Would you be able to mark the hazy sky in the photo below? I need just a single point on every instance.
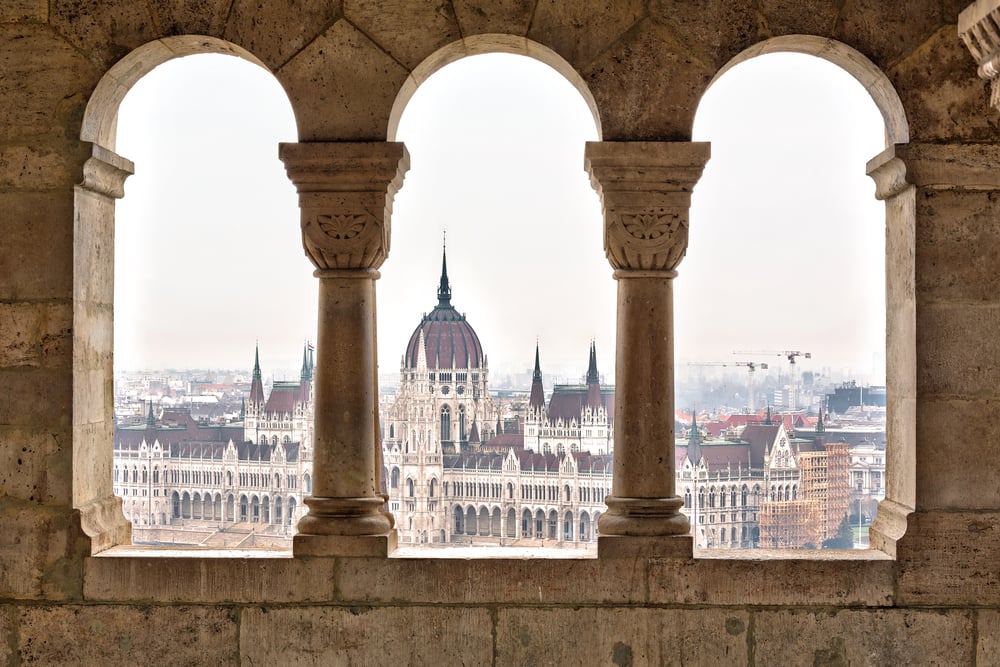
(786, 243)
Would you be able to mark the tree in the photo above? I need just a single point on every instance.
(844, 538)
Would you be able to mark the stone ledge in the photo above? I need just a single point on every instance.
(847, 579)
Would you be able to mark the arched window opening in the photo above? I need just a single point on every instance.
(763, 115)
(229, 196)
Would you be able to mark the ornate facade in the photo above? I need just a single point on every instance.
(453, 475)
(238, 484)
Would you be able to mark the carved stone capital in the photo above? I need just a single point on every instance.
(935, 167)
(104, 173)
(645, 190)
(345, 198)
(979, 28)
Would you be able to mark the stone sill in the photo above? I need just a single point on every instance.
(470, 577)
(499, 553)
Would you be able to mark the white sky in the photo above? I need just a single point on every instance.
(786, 246)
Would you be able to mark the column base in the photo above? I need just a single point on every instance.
(345, 516)
(647, 517)
(346, 546)
(679, 547)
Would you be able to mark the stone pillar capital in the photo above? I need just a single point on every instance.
(979, 28)
(935, 167)
(105, 172)
(345, 197)
(645, 190)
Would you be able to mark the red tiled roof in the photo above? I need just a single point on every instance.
(568, 401)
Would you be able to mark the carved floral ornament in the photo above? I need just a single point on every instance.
(343, 240)
(651, 239)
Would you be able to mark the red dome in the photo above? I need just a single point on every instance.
(449, 341)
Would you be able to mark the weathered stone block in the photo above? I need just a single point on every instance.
(488, 580)
(24, 10)
(716, 30)
(949, 558)
(476, 17)
(342, 86)
(364, 635)
(190, 17)
(108, 634)
(41, 552)
(578, 30)
(957, 245)
(958, 353)
(955, 454)
(45, 84)
(408, 31)
(35, 465)
(36, 334)
(41, 166)
(36, 397)
(205, 580)
(885, 32)
(944, 100)
(876, 637)
(647, 86)
(8, 638)
(257, 24)
(532, 636)
(848, 579)
(790, 17)
(106, 30)
(36, 257)
(988, 632)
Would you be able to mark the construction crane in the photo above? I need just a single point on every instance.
(751, 366)
(788, 354)
(791, 355)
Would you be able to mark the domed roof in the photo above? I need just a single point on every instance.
(449, 341)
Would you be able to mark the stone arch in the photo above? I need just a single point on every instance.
(487, 43)
(101, 184)
(852, 61)
(889, 174)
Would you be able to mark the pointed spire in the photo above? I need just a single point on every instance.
(593, 377)
(306, 373)
(767, 419)
(499, 426)
(256, 361)
(444, 288)
(537, 400)
(694, 441)
(150, 417)
(820, 426)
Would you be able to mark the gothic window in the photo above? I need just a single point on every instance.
(433, 488)
(744, 493)
(394, 478)
(461, 423)
(409, 488)
(732, 496)
(687, 498)
(445, 423)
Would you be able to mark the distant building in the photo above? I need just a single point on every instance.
(238, 484)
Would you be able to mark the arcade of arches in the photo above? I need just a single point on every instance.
(72, 591)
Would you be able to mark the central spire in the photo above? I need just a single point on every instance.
(444, 289)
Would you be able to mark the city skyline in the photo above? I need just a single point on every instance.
(535, 272)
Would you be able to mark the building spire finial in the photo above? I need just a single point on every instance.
(444, 288)
(256, 361)
(593, 377)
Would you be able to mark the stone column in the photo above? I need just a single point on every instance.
(345, 196)
(645, 190)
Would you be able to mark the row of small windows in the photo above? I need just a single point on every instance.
(213, 477)
(494, 491)
(252, 509)
(560, 447)
(717, 497)
(274, 439)
(535, 525)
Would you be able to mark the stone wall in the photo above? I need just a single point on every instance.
(930, 594)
